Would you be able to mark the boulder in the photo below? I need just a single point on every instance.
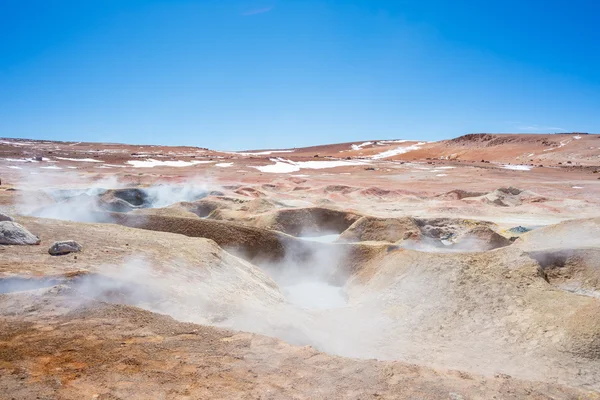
(64, 247)
(4, 217)
(13, 233)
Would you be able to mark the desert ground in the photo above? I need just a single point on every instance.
(385, 269)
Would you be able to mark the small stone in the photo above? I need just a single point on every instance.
(64, 247)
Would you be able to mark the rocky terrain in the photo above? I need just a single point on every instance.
(392, 269)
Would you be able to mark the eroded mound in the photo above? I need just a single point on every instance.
(438, 234)
(381, 229)
(312, 221)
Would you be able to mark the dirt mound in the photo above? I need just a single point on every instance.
(511, 197)
(381, 229)
(170, 273)
(446, 228)
(251, 243)
(571, 234)
(134, 196)
(343, 189)
(176, 210)
(498, 294)
(459, 194)
(311, 221)
(583, 332)
(204, 207)
(422, 232)
(480, 238)
(574, 270)
(116, 344)
(378, 192)
(249, 192)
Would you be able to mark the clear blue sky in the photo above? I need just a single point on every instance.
(236, 74)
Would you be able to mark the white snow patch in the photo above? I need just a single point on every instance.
(530, 155)
(79, 159)
(280, 167)
(576, 137)
(562, 144)
(151, 163)
(262, 153)
(283, 166)
(31, 160)
(360, 146)
(517, 167)
(16, 143)
(224, 165)
(397, 151)
(442, 175)
(13, 167)
(386, 142)
(51, 167)
(577, 187)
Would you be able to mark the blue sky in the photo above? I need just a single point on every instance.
(240, 74)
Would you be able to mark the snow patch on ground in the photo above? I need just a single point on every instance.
(17, 143)
(80, 159)
(577, 187)
(517, 167)
(31, 160)
(151, 163)
(386, 142)
(397, 151)
(224, 165)
(360, 146)
(51, 167)
(563, 143)
(283, 166)
(262, 153)
(13, 167)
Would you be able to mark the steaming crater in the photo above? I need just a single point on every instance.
(315, 295)
(80, 204)
(322, 239)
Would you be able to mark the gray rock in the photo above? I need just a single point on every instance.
(4, 217)
(13, 233)
(64, 247)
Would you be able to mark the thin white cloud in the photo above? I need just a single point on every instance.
(539, 128)
(258, 11)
